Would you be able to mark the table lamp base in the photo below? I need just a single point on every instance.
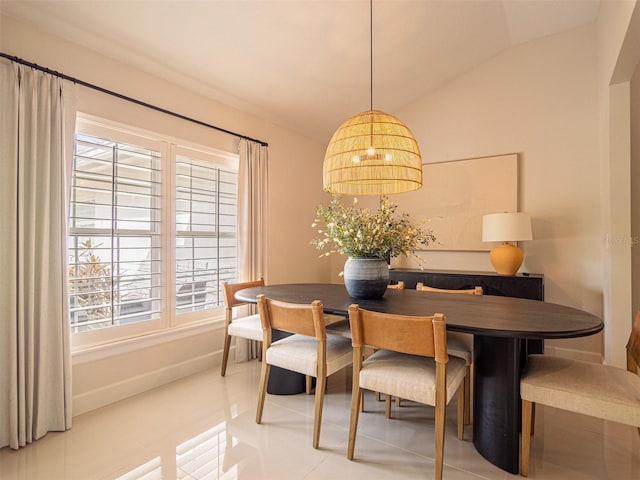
(506, 259)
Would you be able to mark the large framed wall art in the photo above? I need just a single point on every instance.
(456, 194)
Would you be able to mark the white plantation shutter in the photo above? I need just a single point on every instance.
(114, 234)
(206, 202)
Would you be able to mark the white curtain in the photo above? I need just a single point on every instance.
(252, 224)
(37, 116)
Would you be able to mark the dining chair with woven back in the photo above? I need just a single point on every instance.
(247, 326)
(410, 362)
(309, 350)
(458, 344)
(601, 391)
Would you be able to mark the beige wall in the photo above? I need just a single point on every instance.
(539, 100)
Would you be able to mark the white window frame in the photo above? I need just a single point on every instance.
(168, 147)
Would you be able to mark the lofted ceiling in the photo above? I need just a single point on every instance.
(304, 64)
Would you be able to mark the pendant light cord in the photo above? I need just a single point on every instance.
(371, 54)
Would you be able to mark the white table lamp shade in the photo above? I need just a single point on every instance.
(506, 227)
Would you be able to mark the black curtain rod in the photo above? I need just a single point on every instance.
(128, 99)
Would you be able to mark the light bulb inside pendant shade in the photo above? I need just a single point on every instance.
(373, 153)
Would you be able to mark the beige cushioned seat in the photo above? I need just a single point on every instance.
(246, 327)
(411, 377)
(299, 353)
(457, 346)
(592, 389)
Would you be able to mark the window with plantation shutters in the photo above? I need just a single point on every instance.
(152, 233)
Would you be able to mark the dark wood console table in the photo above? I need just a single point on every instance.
(529, 286)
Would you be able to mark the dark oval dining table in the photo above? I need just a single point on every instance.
(500, 327)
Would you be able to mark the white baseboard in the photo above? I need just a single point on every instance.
(573, 354)
(107, 394)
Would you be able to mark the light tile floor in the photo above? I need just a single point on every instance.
(203, 427)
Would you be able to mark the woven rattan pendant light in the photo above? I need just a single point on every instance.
(373, 153)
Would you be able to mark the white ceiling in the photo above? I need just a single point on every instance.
(304, 64)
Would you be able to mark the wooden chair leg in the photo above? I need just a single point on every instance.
(321, 384)
(308, 383)
(439, 427)
(262, 392)
(527, 408)
(467, 397)
(461, 410)
(378, 396)
(387, 406)
(441, 414)
(533, 419)
(356, 401)
(225, 355)
(398, 401)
